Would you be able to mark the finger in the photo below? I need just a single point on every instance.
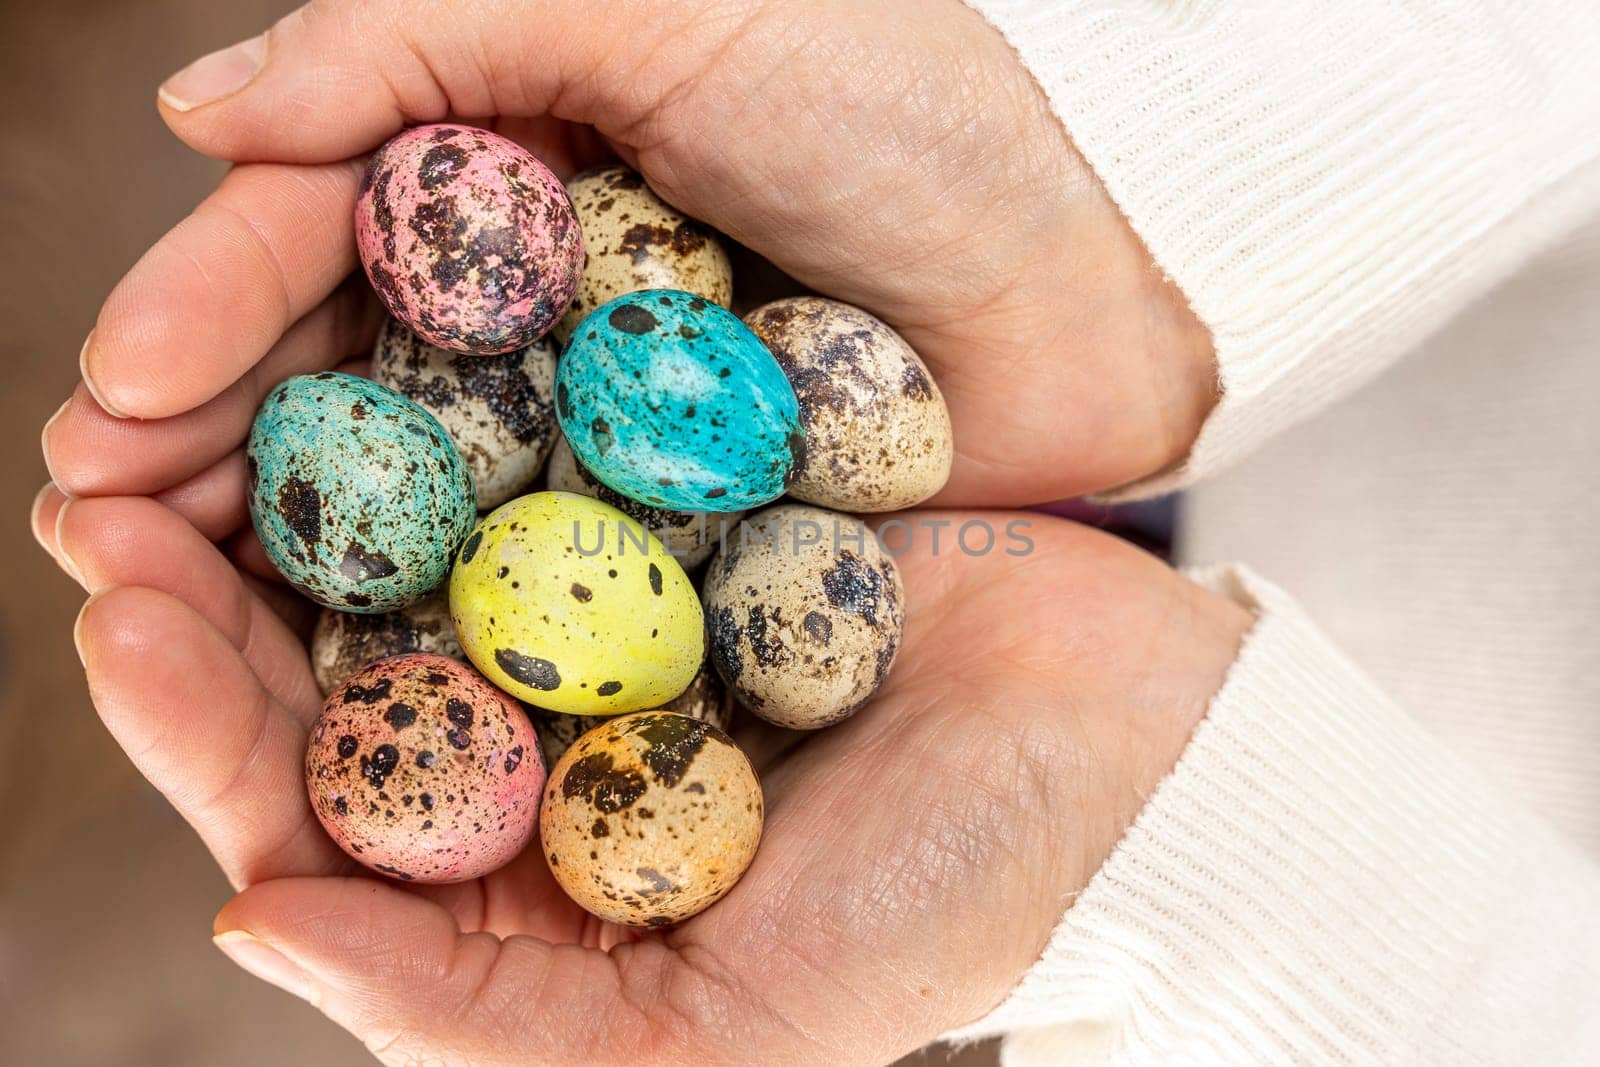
(297, 613)
(245, 549)
(182, 702)
(91, 453)
(209, 503)
(214, 501)
(217, 502)
(134, 541)
(214, 295)
(335, 80)
(395, 970)
(48, 497)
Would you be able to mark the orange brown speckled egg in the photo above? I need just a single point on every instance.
(343, 642)
(651, 818)
(878, 434)
(805, 613)
(421, 769)
(635, 240)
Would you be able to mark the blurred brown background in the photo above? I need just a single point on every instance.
(106, 897)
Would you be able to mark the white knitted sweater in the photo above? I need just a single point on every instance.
(1332, 875)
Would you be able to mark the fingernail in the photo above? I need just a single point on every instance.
(267, 963)
(77, 627)
(88, 379)
(62, 556)
(215, 76)
(44, 435)
(33, 517)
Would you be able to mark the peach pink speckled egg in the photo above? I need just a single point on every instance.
(421, 769)
(467, 238)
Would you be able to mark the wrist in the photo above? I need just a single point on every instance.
(1148, 654)
(1170, 679)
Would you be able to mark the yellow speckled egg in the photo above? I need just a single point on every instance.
(569, 604)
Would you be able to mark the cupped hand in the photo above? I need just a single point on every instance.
(896, 156)
(916, 857)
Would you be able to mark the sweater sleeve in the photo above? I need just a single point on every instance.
(1317, 882)
(1327, 181)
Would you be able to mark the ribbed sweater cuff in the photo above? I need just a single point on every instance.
(1317, 881)
(1327, 181)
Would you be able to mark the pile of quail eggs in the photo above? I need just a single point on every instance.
(581, 517)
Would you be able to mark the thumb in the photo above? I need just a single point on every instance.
(395, 970)
(336, 77)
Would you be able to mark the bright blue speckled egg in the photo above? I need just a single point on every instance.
(671, 400)
(357, 494)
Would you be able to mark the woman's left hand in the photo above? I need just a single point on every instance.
(916, 856)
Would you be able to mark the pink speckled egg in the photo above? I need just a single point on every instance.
(421, 769)
(468, 239)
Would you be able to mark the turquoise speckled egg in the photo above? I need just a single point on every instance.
(357, 494)
(671, 400)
